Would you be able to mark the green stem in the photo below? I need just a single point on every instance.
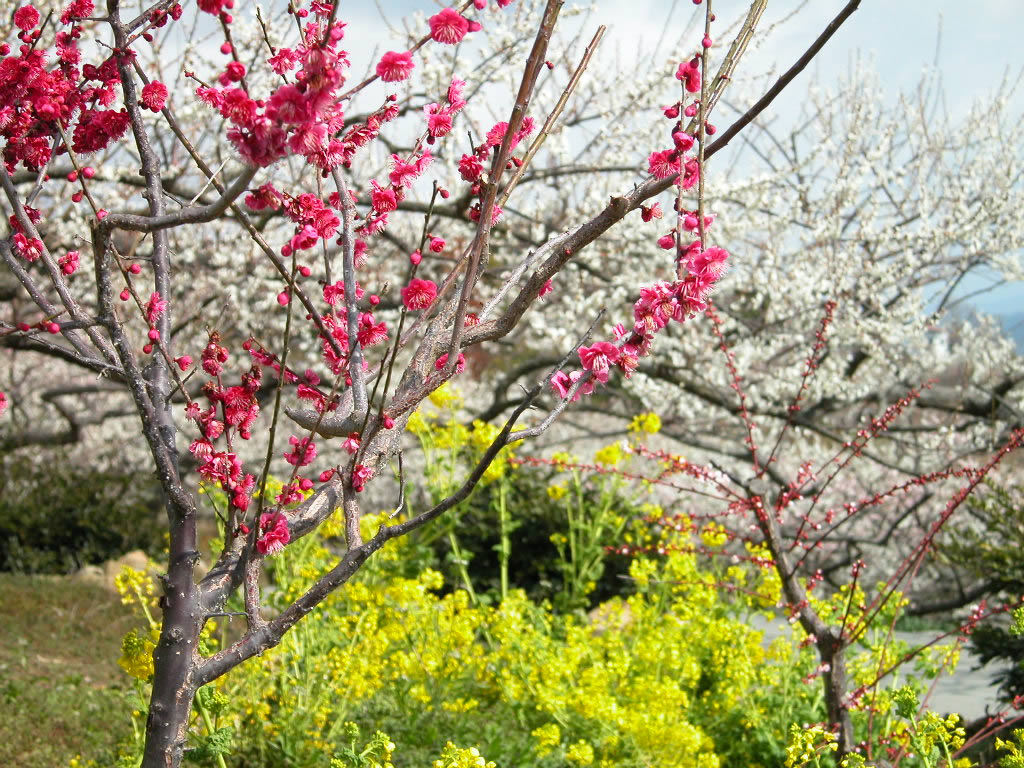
(506, 545)
(460, 563)
(209, 729)
(145, 608)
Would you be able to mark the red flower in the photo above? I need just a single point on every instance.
(235, 71)
(303, 451)
(454, 95)
(69, 262)
(154, 308)
(383, 200)
(404, 173)
(562, 383)
(439, 120)
(360, 475)
(460, 364)
(448, 26)
(471, 168)
(77, 9)
(419, 294)
(211, 6)
(661, 165)
(371, 333)
(393, 66)
(26, 18)
(689, 74)
(29, 248)
(154, 96)
(710, 262)
(274, 533)
(654, 212)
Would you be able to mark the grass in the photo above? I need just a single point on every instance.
(60, 687)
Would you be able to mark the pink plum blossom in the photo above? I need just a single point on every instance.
(394, 66)
(449, 26)
(274, 533)
(419, 294)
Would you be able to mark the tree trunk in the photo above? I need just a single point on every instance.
(831, 651)
(174, 661)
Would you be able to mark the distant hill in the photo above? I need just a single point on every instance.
(1013, 324)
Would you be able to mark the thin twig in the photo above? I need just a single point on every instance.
(553, 116)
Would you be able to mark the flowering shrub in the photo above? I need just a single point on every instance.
(987, 544)
(669, 673)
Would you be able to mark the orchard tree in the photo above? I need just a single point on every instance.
(889, 209)
(78, 95)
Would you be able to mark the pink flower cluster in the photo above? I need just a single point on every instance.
(303, 451)
(471, 167)
(214, 355)
(449, 26)
(29, 248)
(231, 411)
(440, 116)
(698, 267)
(403, 173)
(68, 263)
(315, 220)
(274, 533)
(36, 99)
(689, 74)
(154, 96)
(369, 332)
(419, 294)
(658, 305)
(301, 116)
(394, 66)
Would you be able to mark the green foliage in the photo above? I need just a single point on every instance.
(990, 546)
(990, 541)
(928, 740)
(57, 521)
(668, 672)
(376, 753)
(211, 746)
(550, 525)
(1017, 627)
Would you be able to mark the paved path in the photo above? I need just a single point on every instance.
(967, 691)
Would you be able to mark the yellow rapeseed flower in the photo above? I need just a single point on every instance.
(445, 396)
(417, 424)
(548, 737)
(610, 455)
(649, 423)
(580, 753)
(136, 655)
(556, 492)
